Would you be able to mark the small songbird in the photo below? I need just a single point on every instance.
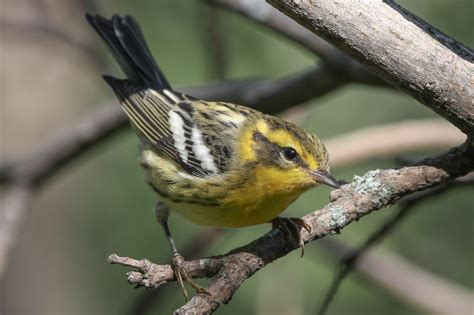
(215, 163)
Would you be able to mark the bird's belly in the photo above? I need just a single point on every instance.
(236, 211)
(258, 201)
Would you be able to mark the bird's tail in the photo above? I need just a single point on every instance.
(125, 40)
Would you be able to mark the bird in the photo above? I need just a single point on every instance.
(215, 163)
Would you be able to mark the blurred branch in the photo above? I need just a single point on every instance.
(392, 139)
(349, 258)
(42, 28)
(47, 158)
(16, 201)
(400, 47)
(274, 96)
(263, 14)
(374, 190)
(214, 38)
(423, 289)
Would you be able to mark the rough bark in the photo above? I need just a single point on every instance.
(400, 47)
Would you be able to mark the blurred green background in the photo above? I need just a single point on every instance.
(100, 205)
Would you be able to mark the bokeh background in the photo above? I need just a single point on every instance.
(100, 205)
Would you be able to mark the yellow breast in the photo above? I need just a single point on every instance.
(256, 202)
(244, 196)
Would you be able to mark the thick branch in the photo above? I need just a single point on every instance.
(398, 46)
(374, 190)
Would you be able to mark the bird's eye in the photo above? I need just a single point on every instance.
(289, 153)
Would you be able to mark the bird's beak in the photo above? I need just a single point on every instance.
(324, 177)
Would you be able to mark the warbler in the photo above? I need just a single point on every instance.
(215, 163)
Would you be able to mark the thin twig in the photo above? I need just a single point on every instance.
(215, 40)
(145, 301)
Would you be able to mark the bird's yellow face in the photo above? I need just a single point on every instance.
(287, 159)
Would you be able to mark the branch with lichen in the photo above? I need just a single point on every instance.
(358, 145)
(367, 193)
(350, 257)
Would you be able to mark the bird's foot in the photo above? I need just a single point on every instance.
(291, 228)
(182, 276)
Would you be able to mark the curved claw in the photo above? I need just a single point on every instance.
(182, 275)
(291, 228)
(300, 222)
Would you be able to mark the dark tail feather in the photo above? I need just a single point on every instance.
(125, 40)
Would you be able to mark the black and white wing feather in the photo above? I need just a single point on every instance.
(164, 119)
(167, 120)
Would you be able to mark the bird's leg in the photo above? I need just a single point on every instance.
(177, 261)
(291, 228)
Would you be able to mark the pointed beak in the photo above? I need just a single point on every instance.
(324, 177)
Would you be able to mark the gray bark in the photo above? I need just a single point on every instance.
(400, 47)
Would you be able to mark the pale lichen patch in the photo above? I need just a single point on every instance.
(336, 220)
(204, 263)
(368, 184)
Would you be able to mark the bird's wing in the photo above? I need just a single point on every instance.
(200, 136)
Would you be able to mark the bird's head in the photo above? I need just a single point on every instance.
(287, 156)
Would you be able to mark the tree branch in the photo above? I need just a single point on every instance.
(214, 37)
(400, 47)
(350, 257)
(15, 204)
(427, 291)
(203, 240)
(392, 139)
(374, 190)
(42, 28)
